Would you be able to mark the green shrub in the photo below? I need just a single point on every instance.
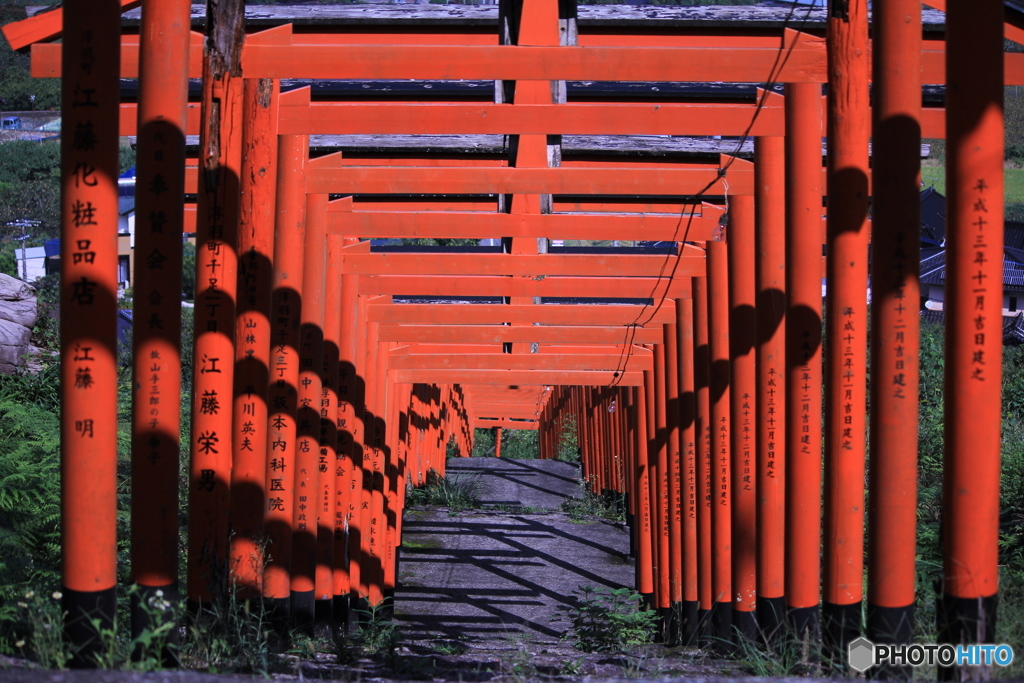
(604, 620)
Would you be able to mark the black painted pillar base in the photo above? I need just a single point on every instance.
(840, 625)
(81, 609)
(704, 633)
(303, 611)
(340, 616)
(721, 627)
(323, 619)
(664, 616)
(771, 617)
(965, 620)
(803, 633)
(891, 625)
(278, 611)
(152, 607)
(673, 624)
(688, 623)
(744, 626)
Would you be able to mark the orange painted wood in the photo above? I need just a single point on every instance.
(973, 336)
(156, 414)
(803, 349)
(216, 282)
(805, 62)
(621, 180)
(252, 333)
(531, 265)
(468, 285)
(479, 224)
(327, 118)
(506, 334)
(88, 293)
(46, 59)
(499, 361)
(547, 314)
(286, 311)
(846, 327)
(531, 377)
(485, 423)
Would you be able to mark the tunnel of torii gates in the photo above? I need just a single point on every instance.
(329, 376)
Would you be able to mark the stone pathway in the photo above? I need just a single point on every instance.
(485, 575)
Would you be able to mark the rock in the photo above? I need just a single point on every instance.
(17, 301)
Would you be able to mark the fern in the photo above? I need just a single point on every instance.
(29, 496)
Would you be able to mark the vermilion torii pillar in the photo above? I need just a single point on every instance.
(770, 267)
(846, 325)
(688, 480)
(331, 567)
(675, 481)
(286, 311)
(89, 167)
(310, 467)
(214, 317)
(156, 413)
(252, 334)
(720, 452)
(743, 397)
(974, 258)
(803, 359)
(895, 297)
(702, 468)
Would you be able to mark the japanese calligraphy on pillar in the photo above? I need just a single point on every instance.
(747, 449)
(772, 422)
(980, 286)
(88, 296)
(849, 373)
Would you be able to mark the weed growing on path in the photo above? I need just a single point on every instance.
(457, 492)
(606, 620)
(228, 635)
(589, 505)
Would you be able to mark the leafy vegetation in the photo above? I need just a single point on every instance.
(590, 505)
(517, 444)
(605, 620)
(457, 493)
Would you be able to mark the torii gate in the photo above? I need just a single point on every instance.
(269, 238)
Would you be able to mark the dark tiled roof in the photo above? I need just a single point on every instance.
(1014, 234)
(1013, 329)
(933, 267)
(1013, 268)
(934, 317)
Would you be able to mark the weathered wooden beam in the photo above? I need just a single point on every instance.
(520, 377)
(530, 265)
(441, 180)
(506, 334)
(682, 227)
(482, 285)
(521, 361)
(545, 314)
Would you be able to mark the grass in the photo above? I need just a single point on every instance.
(457, 493)
(935, 176)
(589, 505)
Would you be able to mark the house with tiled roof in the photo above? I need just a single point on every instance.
(933, 266)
